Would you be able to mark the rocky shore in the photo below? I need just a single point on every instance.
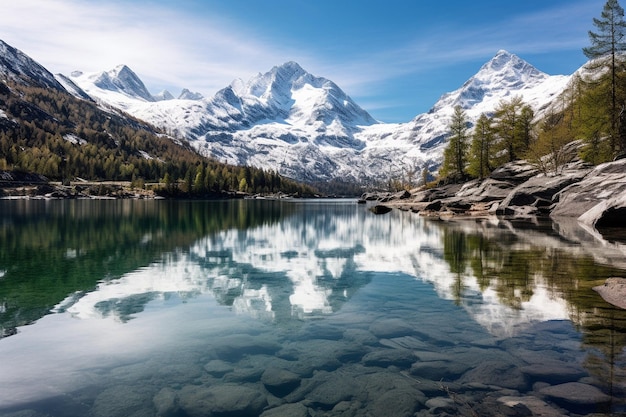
(595, 196)
(14, 185)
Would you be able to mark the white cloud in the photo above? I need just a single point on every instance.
(164, 46)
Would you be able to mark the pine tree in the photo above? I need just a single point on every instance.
(609, 42)
(455, 154)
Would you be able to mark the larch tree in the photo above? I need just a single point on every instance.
(606, 46)
(455, 154)
(481, 148)
(513, 128)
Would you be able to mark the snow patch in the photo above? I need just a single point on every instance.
(74, 139)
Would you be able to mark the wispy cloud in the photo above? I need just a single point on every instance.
(161, 44)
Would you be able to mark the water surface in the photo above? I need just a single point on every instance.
(158, 308)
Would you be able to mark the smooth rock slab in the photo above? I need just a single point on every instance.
(577, 397)
(221, 400)
(218, 368)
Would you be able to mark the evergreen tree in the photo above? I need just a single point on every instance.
(455, 154)
(549, 151)
(593, 121)
(481, 147)
(609, 42)
(513, 128)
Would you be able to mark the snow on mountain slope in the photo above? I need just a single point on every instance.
(307, 128)
(17, 66)
(71, 87)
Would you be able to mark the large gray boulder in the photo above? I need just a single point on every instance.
(608, 213)
(605, 184)
(538, 192)
(515, 172)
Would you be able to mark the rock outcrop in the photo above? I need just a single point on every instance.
(599, 199)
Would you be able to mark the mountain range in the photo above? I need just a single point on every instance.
(302, 126)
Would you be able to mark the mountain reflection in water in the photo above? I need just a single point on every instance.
(285, 264)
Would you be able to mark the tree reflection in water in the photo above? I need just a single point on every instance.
(515, 261)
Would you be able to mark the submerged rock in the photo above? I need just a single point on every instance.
(233, 347)
(280, 382)
(218, 368)
(439, 370)
(496, 373)
(553, 372)
(221, 400)
(401, 358)
(122, 400)
(325, 390)
(380, 209)
(577, 397)
(166, 403)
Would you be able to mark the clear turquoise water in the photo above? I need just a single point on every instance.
(157, 308)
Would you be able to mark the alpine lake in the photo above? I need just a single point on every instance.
(133, 308)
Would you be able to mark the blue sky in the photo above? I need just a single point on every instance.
(395, 58)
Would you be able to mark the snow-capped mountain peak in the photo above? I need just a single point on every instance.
(163, 95)
(121, 81)
(189, 95)
(273, 84)
(507, 70)
(501, 78)
(289, 94)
